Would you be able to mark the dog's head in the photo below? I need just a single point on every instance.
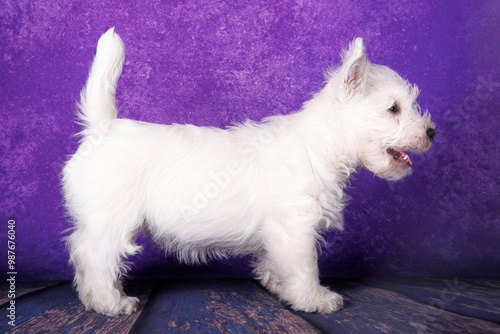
(379, 109)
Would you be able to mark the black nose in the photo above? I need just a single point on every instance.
(431, 133)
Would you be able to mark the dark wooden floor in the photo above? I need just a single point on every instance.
(402, 305)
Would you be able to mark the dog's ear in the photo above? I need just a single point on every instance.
(354, 66)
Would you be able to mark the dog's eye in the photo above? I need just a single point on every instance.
(394, 109)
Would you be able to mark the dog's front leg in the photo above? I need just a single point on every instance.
(288, 267)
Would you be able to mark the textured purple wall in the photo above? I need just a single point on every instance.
(213, 62)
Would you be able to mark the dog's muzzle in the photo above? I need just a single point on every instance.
(431, 133)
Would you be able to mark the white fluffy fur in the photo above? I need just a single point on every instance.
(266, 189)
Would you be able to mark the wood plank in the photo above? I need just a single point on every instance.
(371, 309)
(243, 306)
(453, 295)
(58, 310)
(217, 306)
(493, 283)
(23, 288)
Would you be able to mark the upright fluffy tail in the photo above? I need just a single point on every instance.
(97, 103)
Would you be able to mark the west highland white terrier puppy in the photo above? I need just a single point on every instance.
(268, 189)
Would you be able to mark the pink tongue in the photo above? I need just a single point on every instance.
(405, 157)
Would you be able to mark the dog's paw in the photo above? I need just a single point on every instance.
(128, 305)
(321, 301)
(330, 302)
(125, 305)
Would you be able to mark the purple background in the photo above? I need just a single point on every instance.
(215, 62)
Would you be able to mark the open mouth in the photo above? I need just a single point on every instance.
(399, 156)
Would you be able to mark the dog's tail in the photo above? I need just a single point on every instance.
(97, 102)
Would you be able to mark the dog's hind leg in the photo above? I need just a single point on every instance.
(97, 250)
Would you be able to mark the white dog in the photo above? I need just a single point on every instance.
(268, 189)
